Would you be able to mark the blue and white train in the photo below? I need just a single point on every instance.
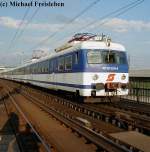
(88, 65)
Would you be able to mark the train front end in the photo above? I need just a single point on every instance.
(106, 69)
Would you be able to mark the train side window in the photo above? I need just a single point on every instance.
(43, 69)
(32, 69)
(51, 66)
(68, 62)
(61, 64)
(28, 70)
(76, 57)
(36, 68)
(46, 65)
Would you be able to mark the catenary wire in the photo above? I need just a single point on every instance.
(26, 25)
(70, 21)
(116, 13)
(18, 29)
(124, 10)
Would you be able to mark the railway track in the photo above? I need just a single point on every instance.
(8, 138)
(121, 118)
(100, 139)
(136, 107)
(27, 140)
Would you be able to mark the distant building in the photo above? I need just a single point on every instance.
(37, 54)
(3, 68)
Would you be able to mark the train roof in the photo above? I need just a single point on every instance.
(90, 41)
(99, 45)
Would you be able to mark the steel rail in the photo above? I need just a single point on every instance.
(96, 138)
(137, 120)
(46, 146)
(108, 115)
(61, 100)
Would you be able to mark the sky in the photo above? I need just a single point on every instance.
(131, 28)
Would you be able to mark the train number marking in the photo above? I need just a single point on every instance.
(110, 77)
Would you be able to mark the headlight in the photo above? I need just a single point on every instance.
(95, 77)
(123, 77)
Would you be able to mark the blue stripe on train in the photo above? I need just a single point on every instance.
(94, 68)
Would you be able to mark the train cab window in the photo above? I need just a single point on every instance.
(68, 62)
(76, 57)
(61, 64)
(114, 57)
(94, 57)
(121, 58)
(110, 58)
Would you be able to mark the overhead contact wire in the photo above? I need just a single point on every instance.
(121, 11)
(71, 21)
(18, 29)
(28, 22)
(116, 13)
(26, 25)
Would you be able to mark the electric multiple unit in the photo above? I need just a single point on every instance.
(88, 65)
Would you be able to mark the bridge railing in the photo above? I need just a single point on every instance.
(139, 89)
